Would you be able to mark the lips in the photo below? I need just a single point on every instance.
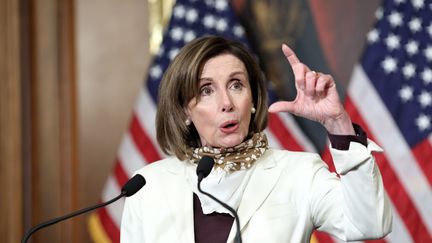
(229, 126)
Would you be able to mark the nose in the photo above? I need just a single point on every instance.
(226, 102)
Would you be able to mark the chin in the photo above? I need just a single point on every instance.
(232, 141)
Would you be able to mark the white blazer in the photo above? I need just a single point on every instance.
(288, 195)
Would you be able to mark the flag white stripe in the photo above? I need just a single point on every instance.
(389, 137)
(145, 111)
(272, 140)
(129, 156)
(295, 131)
(114, 210)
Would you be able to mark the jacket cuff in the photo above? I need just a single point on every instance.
(342, 142)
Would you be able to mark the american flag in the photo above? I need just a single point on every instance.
(190, 19)
(390, 96)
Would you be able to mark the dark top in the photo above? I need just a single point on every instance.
(210, 228)
(215, 227)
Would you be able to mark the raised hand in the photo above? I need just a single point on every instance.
(317, 98)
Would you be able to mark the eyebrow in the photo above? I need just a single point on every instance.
(231, 75)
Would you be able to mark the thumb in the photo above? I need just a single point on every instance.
(282, 106)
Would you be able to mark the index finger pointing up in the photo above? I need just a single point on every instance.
(290, 55)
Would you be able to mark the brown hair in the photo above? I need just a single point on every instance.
(180, 84)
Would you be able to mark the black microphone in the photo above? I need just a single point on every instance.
(204, 167)
(131, 187)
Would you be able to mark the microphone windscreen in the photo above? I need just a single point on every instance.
(133, 185)
(205, 165)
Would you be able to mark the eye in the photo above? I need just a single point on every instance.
(236, 85)
(206, 90)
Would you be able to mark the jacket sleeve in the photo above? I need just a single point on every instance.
(353, 206)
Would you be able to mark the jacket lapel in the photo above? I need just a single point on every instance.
(180, 203)
(260, 185)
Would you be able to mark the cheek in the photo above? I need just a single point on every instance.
(247, 120)
(203, 118)
(246, 114)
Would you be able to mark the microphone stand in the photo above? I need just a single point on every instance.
(73, 214)
(129, 188)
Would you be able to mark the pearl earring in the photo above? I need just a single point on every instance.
(188, 122)
(253, 110)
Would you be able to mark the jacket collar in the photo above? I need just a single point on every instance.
(260, 185)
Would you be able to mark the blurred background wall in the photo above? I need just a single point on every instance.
(72, 69)
(70, 73)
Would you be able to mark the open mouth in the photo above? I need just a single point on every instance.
(229, 126)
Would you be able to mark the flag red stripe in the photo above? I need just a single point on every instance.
(323, 237)
(396, 191)
(143, 142)
(326, 156)
(402, 201)
(423, 154)
(280, 132)
(110, 227)
(120, 174)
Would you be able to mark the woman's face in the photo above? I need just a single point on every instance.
(223, 112)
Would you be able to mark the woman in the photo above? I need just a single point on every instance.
(212, 101)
